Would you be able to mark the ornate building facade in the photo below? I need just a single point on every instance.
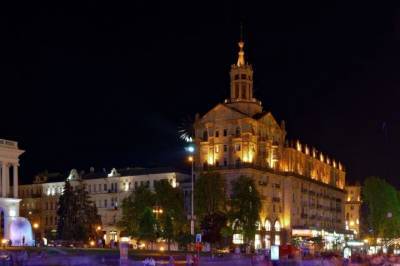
(302, 189)
(106, 190)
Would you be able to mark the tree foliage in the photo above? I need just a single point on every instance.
(78, 217)
(147, 229)
(169, 224)
(132, 210)
(211, 227)
(210, 194)
(245, 205)
(383, 207)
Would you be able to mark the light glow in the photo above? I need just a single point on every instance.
(12, 213)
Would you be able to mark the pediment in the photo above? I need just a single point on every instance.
(269, 120)
(222, 112)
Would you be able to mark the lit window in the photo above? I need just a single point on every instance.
(277, 226)
(237, 239)
(237, 147)
(217, 149)
(277, 240)
(267, 225)
(267, 240)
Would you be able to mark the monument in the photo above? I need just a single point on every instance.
(12, 227)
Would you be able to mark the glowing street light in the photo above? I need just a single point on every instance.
(35, 225)
(191, 150)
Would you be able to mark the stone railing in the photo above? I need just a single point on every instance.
(8, 143)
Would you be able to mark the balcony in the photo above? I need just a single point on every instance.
(8, 144)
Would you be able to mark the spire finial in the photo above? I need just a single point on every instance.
(241, 61)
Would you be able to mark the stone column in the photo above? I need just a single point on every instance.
(4, 178)
(15, 182)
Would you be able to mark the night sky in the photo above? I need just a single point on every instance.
(107, 84)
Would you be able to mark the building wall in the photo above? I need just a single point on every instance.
(300, 186)
(353, 208)
(39, 200)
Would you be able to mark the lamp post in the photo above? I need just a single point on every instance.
(191, 159)
(35, 228)
(157, 210)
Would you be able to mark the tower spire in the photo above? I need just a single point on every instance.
(241, 61)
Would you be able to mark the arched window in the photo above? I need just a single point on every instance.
(236, 225)
(277, 226)
(267, 225)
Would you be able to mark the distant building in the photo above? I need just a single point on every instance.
(302, 189)
(353, 208)
(106, 189)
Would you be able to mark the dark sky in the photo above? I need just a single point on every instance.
(107, 84)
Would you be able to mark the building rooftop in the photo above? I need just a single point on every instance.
(46, 177)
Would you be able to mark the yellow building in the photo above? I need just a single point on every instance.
(302, 189)
(353, 208)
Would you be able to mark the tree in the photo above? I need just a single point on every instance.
(210, 194)
(133, 208)
(147, 229)
(66, 212)
(87, 215)
(78, 217)
(167, 228)
(211, 227)
(383, 207)
(245, 205)
(210, 205)
(172, 220)
(170, 223)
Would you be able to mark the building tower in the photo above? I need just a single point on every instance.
(241, 75)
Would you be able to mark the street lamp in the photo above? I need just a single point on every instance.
(157, 210)
(35, 228)
(190, 149)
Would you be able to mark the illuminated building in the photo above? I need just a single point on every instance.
(301, 188)
(106, 189)
(353, 208)
(11, 225)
